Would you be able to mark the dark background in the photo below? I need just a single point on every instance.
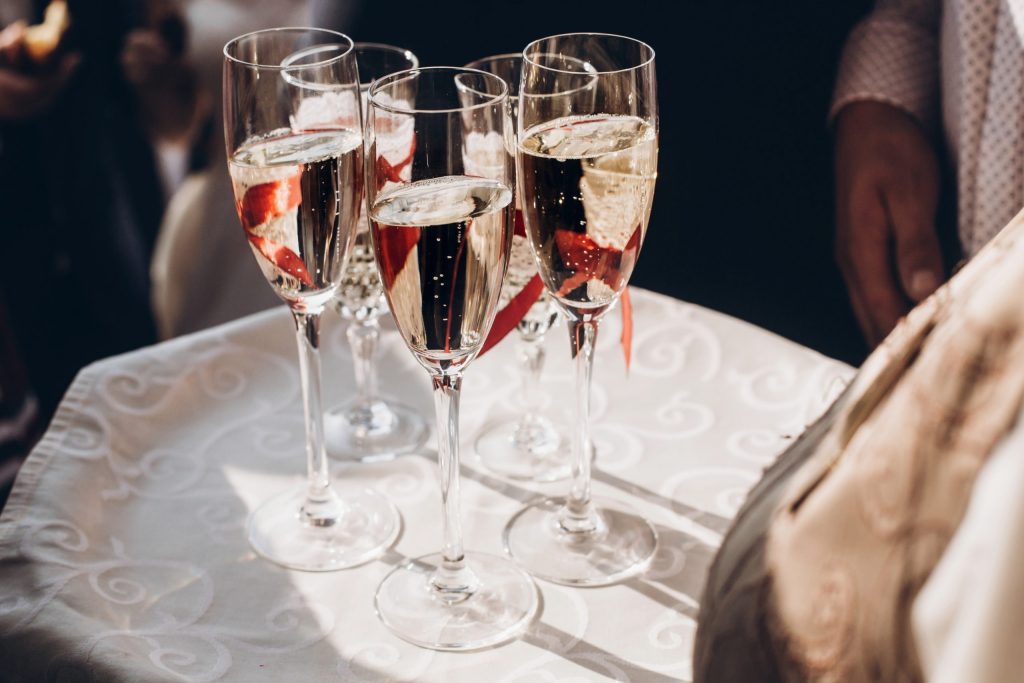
(742, 219)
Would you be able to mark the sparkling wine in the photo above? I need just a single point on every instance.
(361, 294)
(588, 184)
(442, 248)
(522, 266)
(297, 195)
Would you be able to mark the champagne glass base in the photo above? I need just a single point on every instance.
(347, 530)
(500, 608)
(380, 431)
(544, 456)
(621, 547)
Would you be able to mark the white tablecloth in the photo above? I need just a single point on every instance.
(122, 553)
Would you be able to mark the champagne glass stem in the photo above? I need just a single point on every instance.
(363, 337)
(578, 515)
(453, 580)
(307, 334)
(531, 353)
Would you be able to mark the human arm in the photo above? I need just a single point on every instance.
(886, 166)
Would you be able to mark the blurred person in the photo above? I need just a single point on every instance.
(202, 272)
(921, 79)
(82, 198)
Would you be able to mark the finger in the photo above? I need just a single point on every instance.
(869, 268)
(841, 249)
(12, 41)
(911, 211)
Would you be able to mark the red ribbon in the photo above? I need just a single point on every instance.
(627, 326)
(514, 311)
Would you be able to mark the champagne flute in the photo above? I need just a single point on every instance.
(441, 234)
(368, 427)
(297, 173)
(529, 448)
(587, 160)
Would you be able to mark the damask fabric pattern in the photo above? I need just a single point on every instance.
(847, 538)
(122, 555)
(909, 53)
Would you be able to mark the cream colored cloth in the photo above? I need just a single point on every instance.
(203, 271)
(969, 617)
(968, 54)
(123, 556)
(866, 519)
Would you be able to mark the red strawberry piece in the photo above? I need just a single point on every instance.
(590, 261)
(269, 200)
(520, 224)
(395, 243)
(282, 257)
(392, 173)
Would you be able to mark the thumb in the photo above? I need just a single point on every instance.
(919, 260)
(918, 254)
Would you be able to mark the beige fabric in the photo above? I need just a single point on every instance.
(969, 616)
(203, 272)
(908, 52)
(865, 521)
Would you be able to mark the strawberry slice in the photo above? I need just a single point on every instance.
(602, 263)
(395, 242)
(282, 257)
(592, 261)
(520, 224)
(388, 172)
(267, 201)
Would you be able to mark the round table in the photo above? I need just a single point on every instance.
(123, 557)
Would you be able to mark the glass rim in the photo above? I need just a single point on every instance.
(378, 83)
(344, 41)
(386, 47)
(504, 56)
(492, 58)
(597, 72)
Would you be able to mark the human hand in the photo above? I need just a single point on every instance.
(887, 190)
(24, 94)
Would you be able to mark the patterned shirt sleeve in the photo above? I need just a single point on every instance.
(892, 56)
